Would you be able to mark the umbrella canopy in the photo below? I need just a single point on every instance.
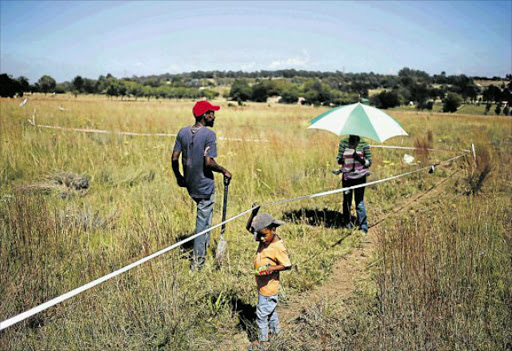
(359, 119)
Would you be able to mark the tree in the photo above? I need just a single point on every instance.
(497, 110)
(436, 93)
(78, 84)
(89, 86)
(289, 96)
(386, 99)
(240, 90)
(452, 102)
(470, 91)
(23, 83)
(409, 76)
(316, 93)
(113, 89)
(492, 93)
(46, 84)
(420, 94)
(487, 107)
(506, 95)
(259, 93)
(8, 86)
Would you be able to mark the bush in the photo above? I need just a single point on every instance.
(290, 96)
(240, 90)
(386, 99)
(497, 110)
(452, 102)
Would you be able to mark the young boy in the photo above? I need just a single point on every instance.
(271, 258)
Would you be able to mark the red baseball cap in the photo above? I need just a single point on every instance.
(203, 106)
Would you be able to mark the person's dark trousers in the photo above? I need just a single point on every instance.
(203, 222)
(362, 220)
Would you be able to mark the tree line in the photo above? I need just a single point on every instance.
(107, 85)
(312, 87)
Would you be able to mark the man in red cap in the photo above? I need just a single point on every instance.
(198, 147)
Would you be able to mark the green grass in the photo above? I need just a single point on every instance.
(50, 243)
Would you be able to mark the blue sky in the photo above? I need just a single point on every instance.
(91, 38)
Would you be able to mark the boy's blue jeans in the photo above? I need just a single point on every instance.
(266, 316)
(358, 194)
(203, 221)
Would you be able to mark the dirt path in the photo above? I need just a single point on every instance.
(353, 267)
(346, 274)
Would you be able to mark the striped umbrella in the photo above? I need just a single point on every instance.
(359, 119)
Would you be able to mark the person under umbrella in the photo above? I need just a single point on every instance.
(355, 158)
(357, 120)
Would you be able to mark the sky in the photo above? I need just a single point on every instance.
(91, 38)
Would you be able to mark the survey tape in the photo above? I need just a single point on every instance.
(22, 316)
(412, 148)
(102, 131)
(329, 192)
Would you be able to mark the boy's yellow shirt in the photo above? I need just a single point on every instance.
(274, 254)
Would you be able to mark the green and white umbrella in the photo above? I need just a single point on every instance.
(359, 119)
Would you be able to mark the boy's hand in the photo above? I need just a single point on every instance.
(262, 270)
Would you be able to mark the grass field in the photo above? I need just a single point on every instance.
(441, 277)
(464, 109)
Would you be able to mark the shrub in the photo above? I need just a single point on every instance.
(452, 102)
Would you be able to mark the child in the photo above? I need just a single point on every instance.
(271, 258)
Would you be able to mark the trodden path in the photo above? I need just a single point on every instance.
(351, 269)
(347, 273)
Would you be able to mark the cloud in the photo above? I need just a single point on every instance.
(297, 61)
(173, 68)
(248, 66)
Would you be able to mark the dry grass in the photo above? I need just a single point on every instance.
(52, 244)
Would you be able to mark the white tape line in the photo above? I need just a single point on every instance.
(18, 318)
(329, 192)
(101, 131)
(410, 148)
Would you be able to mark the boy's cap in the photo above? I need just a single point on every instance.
(203, 106)
(264, 220)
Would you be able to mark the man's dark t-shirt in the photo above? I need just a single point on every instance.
(195, 143)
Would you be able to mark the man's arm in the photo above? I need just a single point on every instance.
(214, 166)
(176, 168)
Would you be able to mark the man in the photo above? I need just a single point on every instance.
(198, 146)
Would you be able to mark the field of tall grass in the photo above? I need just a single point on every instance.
(441, 277)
